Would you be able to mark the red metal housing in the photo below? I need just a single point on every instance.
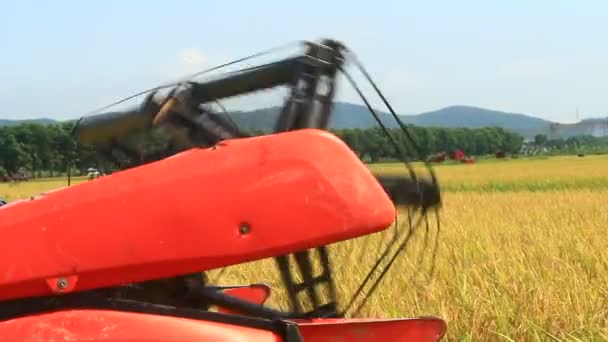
(243, 200)
(114, 326)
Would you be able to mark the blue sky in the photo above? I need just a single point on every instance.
(61, 59)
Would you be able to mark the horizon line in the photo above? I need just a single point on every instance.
(349, 103)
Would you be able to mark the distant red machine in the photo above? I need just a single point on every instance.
(458, 155)
(468, 160)
(439, 158)
(124, 257)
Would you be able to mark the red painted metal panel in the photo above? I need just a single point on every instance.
(424, 329)
(113, 326)
(184, 214)
(255, 293)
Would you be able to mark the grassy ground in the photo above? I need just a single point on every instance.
(21, 190)
(522, 253)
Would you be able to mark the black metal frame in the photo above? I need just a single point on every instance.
(305, 108)
(312, 81)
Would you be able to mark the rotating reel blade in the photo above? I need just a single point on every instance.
(187, 119)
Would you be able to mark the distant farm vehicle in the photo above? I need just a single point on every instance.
(14, 178)
(458, 155)
(439, 158)
(93, 173)
(468, 160)
(19, 176)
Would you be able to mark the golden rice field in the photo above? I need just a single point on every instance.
(523, 253)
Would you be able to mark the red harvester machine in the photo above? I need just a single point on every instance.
(108, 260)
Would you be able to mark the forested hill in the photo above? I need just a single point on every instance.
(51, 147)
(347, 115)
(473, 117)
(48, 148)
(5, 122)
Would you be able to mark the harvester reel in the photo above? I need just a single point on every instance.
(185, 115)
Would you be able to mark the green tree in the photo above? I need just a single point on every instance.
(540, 140)
(12, 153)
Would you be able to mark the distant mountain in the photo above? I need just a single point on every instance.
(344, 115)
(348, 115)
(5, 122)
(474, 117)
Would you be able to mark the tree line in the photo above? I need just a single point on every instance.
(374, 145)
(50, 149)
(581, 144)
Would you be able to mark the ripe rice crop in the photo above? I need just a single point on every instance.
(522, 253)
(526, 174)
(516, 266)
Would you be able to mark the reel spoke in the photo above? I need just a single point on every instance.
(406, 239)
(436, 244)
(186, 117)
